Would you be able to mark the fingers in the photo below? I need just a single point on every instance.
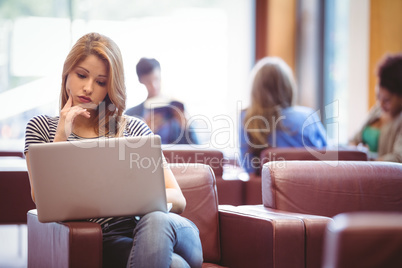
(84, 112)
(69, 111)
(74, 111)
(67, 117)
(66, 121)
(69, 101)
(66, 108)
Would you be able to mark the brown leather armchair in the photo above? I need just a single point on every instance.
(364, 239)
(229, 238)
(253, 186)
(230, 188)
(316, 191)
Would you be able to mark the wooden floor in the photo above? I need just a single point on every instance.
(13, 246)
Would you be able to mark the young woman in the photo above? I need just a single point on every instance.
(93, 99)
(382, 131)
(271, 120)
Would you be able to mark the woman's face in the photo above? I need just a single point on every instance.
(87, 82)
(390, 103)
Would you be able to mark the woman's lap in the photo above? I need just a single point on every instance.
(157, 235)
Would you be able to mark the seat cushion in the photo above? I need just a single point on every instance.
(291, 153)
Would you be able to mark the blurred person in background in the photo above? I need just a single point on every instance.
(166, 117)
(382, 131)
(272, 119)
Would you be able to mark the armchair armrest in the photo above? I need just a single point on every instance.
(314, 230)
(253, 239)
(63, 244)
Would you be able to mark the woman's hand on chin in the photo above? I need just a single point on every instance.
(67, 116)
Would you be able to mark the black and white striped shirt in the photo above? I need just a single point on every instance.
(42, 129)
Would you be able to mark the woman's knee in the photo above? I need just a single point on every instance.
(178, 262)
(154, 223)
(155, 218)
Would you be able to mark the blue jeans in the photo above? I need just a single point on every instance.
(158, 240)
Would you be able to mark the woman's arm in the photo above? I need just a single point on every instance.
(396, 154)
(37, 132)
(30, 177)
(174, 194)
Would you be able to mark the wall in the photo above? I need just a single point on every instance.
(276, 30)
(359, 35)
(385, 36)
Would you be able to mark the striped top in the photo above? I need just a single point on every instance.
(42, 129)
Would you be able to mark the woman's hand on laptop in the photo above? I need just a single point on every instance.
(67, 116)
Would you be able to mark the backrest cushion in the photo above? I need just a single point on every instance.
(292, 153)
(332, 187)
(191, 154)
(198, 185)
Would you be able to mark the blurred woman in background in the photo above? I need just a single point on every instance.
(272, 120)
(382, 131)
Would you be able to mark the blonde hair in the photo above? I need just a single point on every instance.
(111, 121)
(272, 89)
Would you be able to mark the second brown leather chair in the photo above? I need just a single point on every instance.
(316, 191)
(364, 239)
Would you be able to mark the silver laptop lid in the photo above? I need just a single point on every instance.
(98, 178)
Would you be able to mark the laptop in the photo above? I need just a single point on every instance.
(94, 178)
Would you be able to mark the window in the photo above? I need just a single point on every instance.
(332, 63)
(345, 67)
(205, 49)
